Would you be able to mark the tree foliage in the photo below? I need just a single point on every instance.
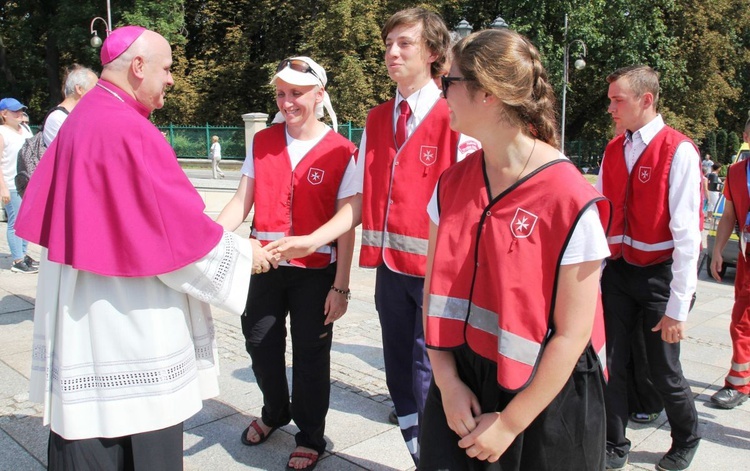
(225, 52)
(721, 146)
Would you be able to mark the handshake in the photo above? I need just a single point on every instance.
(263, 260)
(285, 248)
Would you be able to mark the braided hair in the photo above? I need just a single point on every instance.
(508, 66)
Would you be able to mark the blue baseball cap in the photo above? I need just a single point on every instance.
(11, 104)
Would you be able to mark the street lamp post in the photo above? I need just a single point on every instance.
(499, 23)
(463, 28)
(578, 64)
(96, 41)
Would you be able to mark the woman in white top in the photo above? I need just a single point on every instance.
(12, 137)
(298, 174)
(512, 285)
(215, 154)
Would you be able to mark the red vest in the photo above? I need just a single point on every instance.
(737, 188)
(297, 202)
(640, 199)
(398, 186)
(494, 276)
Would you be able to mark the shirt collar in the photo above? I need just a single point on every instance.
(421, 101)
(647, 132)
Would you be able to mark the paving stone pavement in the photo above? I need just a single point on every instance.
(358, 433)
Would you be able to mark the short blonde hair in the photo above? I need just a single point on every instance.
(642, 79)
(214, 138)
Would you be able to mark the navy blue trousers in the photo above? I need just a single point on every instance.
(398, 300)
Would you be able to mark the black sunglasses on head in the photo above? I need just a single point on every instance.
(447, 80)
(299, 66)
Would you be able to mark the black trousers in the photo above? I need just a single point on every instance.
(643, 396)
(567, 435)
(631, 293)
(159, 450)
(302, 293)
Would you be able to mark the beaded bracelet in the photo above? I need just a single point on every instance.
(347, 293)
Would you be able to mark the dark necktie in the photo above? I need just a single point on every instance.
(403, 117)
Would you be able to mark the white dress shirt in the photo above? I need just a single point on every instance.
(420, 102)
(684, 211)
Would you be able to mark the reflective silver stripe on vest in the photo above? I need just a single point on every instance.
(509, 344)
(735, 381)
(372, 238)
(738, 367)
(637, 244)
(388, 240)
(267, 235)
(484, 319)
(326, 249)
(518, 348)
(448, 308)
(408, 244)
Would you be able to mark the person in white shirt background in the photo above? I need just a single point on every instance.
(12, 137)
(215, 155)
(77, 83)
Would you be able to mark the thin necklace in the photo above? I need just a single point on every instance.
(527, 161)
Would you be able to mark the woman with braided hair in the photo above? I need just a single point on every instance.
(513, 313)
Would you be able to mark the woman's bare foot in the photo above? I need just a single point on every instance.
(300, 462)
(252, 435)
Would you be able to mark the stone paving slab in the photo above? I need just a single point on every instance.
(17, 332)
(15, 457)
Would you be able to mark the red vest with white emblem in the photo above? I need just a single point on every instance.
(297, 202)
(398, 185)
(737, 188)
(640, 199)
(495, 271)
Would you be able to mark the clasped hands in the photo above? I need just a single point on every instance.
(484, 436)
(285, 248)
(263, 260)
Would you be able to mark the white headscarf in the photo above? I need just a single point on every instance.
(294, 77)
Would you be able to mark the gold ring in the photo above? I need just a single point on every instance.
(258, 270)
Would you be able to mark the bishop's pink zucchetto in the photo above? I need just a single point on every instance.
(119, 41)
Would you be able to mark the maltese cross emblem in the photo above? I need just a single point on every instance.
(523, 223)
(644, 174)
(315, 175)
(428, 154)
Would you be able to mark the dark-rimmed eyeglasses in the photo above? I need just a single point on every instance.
(447, 80)
(299, 66)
